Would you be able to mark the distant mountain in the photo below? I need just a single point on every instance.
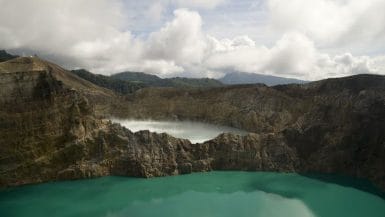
(155, 81)
(129, 82)
(115, 84)
(4, 56)
(251, 78)
(142, 78)
(194, 82)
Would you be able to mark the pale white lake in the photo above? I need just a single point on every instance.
(196, 132)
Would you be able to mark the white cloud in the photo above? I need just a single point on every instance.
(346, 64)
(207, 4)
(96, 38)
(62, 28)
(156, 10)
(43, 23)
(294, 55)
(355, 24)
(180, 40)
(379, 64)
(78, 36)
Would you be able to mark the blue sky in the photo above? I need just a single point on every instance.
(227, 19)
(305, 39)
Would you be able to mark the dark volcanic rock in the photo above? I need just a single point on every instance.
(329, 126)
(264, 152)
(152, 154)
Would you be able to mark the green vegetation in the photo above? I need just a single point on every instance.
(117, 85)
(129, 82)
(155, 81)
(143, 78)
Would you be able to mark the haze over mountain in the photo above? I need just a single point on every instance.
(302, 39)
(155, 81)
(253, 78)
(4, 56)
(129, 82)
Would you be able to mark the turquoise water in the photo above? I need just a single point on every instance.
(214, 194)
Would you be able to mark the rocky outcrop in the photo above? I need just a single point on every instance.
(50, 128)
(114, 150)
(152, 154)
(255, 108)
(41, 120)
(331, 126)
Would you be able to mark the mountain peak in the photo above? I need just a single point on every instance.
(35, 64)
(24, 64)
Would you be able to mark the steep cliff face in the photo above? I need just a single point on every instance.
(332, 126)
(152, 154)
(50, 128)
(49, 131)
(255, 108)
(41, 121)
(23, 73)
(343, 131)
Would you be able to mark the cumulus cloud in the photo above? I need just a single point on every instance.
(355, 24)
(294, 55)
(198, 3)
(98, 38)
(78, 36)
(181, 39)
(43, 23)
(346, 64)
(63, 28)
(156, 10)
(153, 13)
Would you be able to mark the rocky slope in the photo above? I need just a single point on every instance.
(333, 126)
(44, 112)
(51, 129)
